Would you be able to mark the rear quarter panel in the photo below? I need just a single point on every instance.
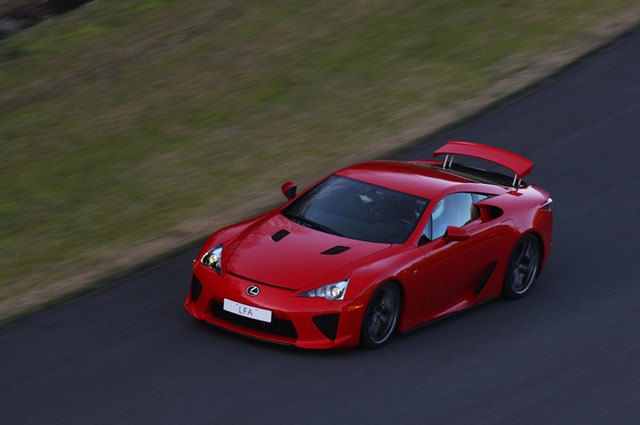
(522, 212)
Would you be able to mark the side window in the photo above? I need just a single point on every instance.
(477, 197)
(456, 210)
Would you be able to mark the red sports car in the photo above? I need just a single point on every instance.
(377, 248)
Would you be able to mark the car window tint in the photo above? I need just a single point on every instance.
(358, 210)
(456, 210)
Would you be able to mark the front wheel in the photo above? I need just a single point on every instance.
(381, 317)
(522, 268)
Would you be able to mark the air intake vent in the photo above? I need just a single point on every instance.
(336, 250)
(328, 324)
(196, 289)
(279, 235)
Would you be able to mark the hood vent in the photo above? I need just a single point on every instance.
(279, 235)
(335, 250)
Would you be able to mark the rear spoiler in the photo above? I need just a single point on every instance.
(519, 165)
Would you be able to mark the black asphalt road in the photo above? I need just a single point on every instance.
(568, 353)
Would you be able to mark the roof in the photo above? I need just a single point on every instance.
(415, 179)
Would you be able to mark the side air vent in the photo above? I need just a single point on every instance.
(489, 212)
(336, 250)
(279, 235)
(485, 277)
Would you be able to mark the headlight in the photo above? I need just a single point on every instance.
(332, 291)
(213, 258)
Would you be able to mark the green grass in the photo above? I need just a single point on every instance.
(127, 122)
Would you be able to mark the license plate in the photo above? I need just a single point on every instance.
(247, 311)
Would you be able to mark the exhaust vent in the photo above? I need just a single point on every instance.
(336, 250)
(279, 235)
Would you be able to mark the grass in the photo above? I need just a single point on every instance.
(129, 126)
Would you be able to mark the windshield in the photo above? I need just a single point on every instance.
(358, 210)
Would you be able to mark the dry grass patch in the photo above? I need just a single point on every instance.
(130, 127)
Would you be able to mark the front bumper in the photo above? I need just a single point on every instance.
(303, 322)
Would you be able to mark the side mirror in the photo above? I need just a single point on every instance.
(289, 190)
(456, 234)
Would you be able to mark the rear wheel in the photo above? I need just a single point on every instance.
(522, 268)
(381, 317)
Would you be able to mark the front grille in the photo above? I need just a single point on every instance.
(196, 289)
(328, 324)
(277, 326)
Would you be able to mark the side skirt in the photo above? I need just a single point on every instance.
(444, 316)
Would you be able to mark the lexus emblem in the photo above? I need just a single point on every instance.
(253, 290)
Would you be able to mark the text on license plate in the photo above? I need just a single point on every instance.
(247, 311)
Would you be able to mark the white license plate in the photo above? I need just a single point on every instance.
(247, 311)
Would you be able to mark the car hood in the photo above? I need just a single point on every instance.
(282, 253)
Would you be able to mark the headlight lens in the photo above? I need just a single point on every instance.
(332, 291)
(213, 258)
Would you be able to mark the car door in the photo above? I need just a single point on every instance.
(455, 269)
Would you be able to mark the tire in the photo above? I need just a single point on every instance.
(523, 267)
(381, 316)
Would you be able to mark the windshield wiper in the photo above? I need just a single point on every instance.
(312, 224)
